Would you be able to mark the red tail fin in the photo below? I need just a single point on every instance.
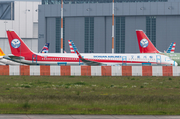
(18, 47)
(145, 45)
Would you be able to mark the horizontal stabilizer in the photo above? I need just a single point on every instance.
(15, 57)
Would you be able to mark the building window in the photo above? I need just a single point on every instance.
(120, 35)
(151, 28)
(89, 35)
(58, 34)
(7, 10)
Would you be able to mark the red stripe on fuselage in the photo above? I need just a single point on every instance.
(70, 59)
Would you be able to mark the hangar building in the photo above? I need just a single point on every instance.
(89, 24)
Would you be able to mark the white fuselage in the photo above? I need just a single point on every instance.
(8, 62)
(103, 58)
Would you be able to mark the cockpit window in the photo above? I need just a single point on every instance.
(168, 59)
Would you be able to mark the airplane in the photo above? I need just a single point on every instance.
(22, 54)
(72, 46)
(8, 61)
(123, 59)
(146, 46)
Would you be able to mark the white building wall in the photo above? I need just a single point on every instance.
(4, 45)
(35, 70)
(55, 70)
(75, 70)
(25, 14)
(95, 71)
(176, 71)
(136, 70)
(116, 70)
(14, 70)
(157, 71)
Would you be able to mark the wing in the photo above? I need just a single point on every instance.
(88, 62)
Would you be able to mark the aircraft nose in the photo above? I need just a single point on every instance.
(175, 63)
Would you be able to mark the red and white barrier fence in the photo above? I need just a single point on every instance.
(90, 70)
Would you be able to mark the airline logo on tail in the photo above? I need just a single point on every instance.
(18, 47)
(45, 48)
(171, 48)
(72, 46)
(15, 43)
(144, 43)
(1, 52)
(146, 46)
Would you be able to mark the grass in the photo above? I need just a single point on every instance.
(89, 95)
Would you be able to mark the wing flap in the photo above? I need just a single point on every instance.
(88, 62)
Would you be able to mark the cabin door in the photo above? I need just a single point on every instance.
(158, 59)
(124, 60)
(34, 58)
